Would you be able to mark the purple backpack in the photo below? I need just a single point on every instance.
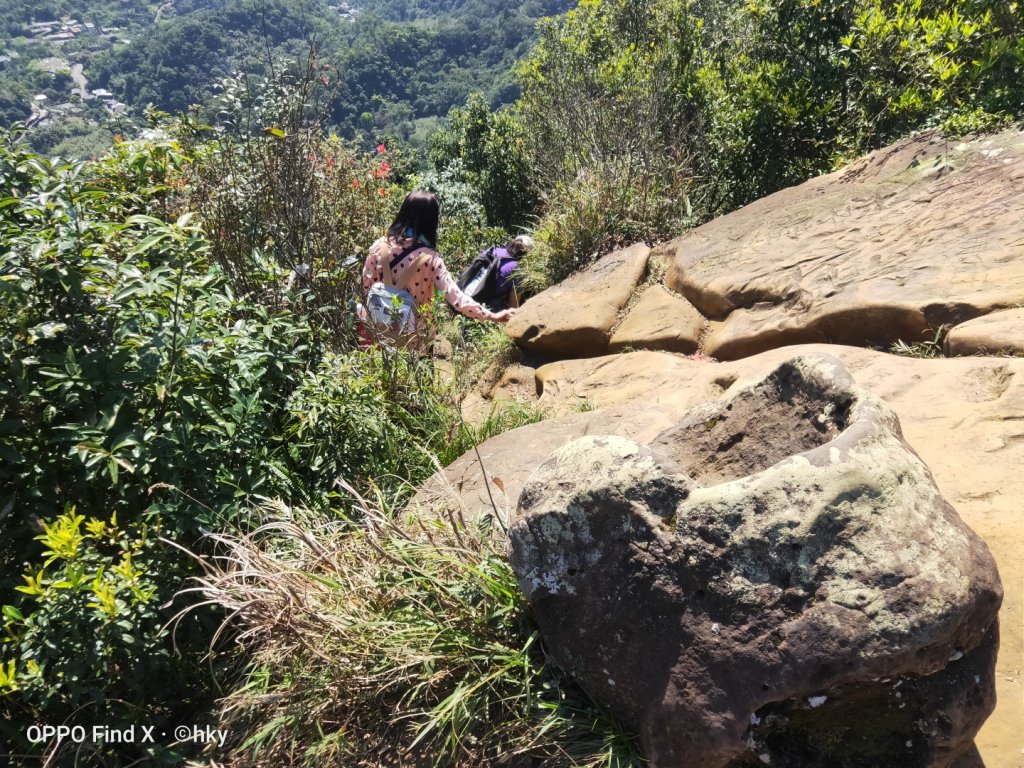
(488, 279)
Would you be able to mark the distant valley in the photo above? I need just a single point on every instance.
(79, 72)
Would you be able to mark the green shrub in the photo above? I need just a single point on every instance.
(640, 119)
(369, 416)
(909, 62)
(134, 387)
(143, 393)
(164, 367)
(584, 219)
(276, 195)
(383, 418)
(814, 83)
(128, 362)
(487, 151)
(89, 629)
(606, 129)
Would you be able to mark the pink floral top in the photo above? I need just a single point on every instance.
(431, 275)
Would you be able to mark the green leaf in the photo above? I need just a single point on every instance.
(46, 331)
(8, 453)
(148, 243)
(142, 219)
(13, 613)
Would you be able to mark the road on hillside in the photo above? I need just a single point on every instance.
(80, 81)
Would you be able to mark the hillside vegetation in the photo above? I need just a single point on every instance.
(640, 119)
(396, 68)
(165, 389)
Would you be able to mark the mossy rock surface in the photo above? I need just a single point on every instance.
(773, 546)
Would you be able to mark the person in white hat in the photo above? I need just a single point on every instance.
(490, 278)
(506, 286)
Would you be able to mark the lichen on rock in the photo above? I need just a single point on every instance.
(780, 544)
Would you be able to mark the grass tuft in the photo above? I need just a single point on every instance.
(922, 349)
(374, 645)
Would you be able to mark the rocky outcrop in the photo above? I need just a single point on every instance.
(919, 234)
(962, 415)
(576, 317)
(777, 550)
(510, 458)
(997, 333)
(916, 237)
(660, 320)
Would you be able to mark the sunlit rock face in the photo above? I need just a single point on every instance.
(914, 237)
(575, 318)
(773, 578)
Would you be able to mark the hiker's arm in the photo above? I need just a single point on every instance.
(461, 303)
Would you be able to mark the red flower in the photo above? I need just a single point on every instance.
(382, 192)
(119, 138)
(356, 184)
(329, 162)
(381, 149)
(385, 166)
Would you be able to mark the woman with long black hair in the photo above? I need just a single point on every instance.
(408, 254)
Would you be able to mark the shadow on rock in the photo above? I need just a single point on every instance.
(776, 579)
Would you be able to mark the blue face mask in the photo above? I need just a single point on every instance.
(410, 233)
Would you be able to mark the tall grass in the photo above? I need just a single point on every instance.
(601, 210)
(380, 645)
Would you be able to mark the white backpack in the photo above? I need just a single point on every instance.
(390, 308)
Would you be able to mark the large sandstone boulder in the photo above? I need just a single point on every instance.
(575, 318)
(919, 234)
(782, 576)
(1000, 332)
(962, 415)
(660, 320)
(486, 482)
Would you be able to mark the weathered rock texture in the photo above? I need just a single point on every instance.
(576, 317)
(1000, 332)
(914, 236)
(499, 387)
(511, 457)
(891, 247)
(962, 415)
(782, 545)
(660, 320)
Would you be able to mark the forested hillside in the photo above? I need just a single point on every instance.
(397, 68)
